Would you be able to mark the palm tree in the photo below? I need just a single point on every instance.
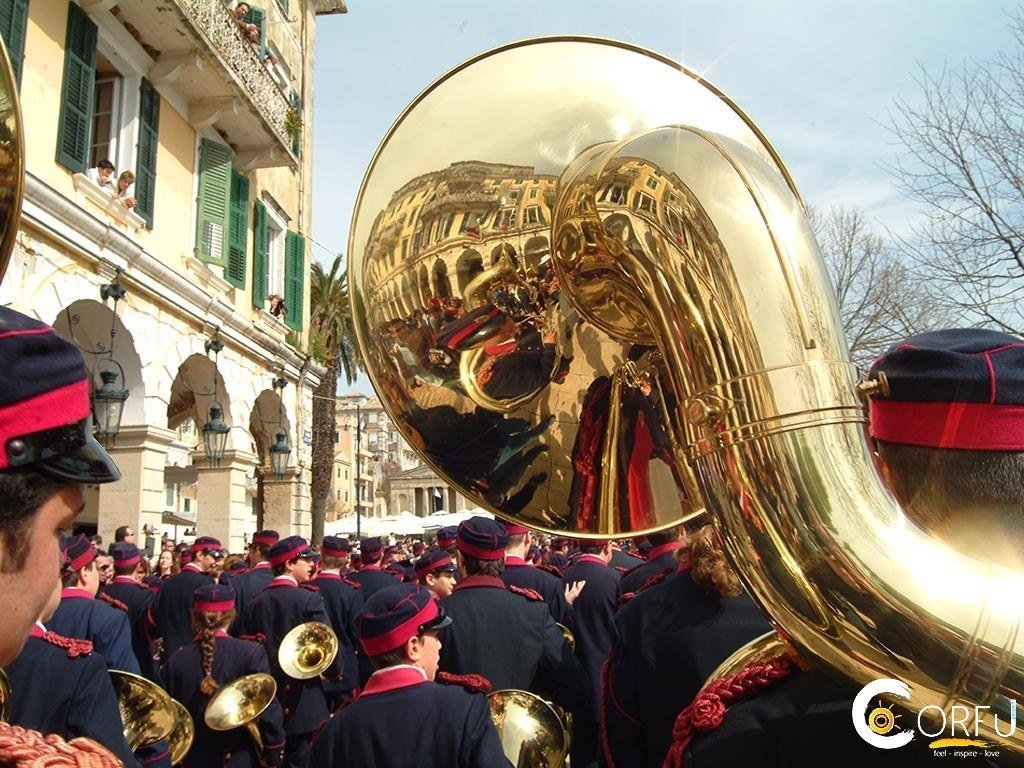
(333, 344)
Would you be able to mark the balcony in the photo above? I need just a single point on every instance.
(459, 202)
(199, 53)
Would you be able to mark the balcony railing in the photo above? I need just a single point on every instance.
(213, 21)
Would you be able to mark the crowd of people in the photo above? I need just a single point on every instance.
(426, 627)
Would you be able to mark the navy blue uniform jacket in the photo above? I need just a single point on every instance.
(401, 720)
(372, 579)
(343, 601)
(517, 573)
(247, 585)
(623, 562)
(107, 628)
(232, 659)
(668, 640)
(171, 611)
(274, 612)
(53, 692)
(511, 641)
(137, 598)
(593, 612)
(662, 559)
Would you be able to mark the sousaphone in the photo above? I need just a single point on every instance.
(533, 732)
(694, 297)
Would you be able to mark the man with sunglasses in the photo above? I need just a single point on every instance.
(170, 616)
(288, 602)
(402, 717)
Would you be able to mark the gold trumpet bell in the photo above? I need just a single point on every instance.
(182, 735)
(148, 713)
(531, 731)
(307, 650)
(240, 703)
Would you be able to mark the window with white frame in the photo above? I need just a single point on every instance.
(276, 229)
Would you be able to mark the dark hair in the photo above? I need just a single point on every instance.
(127, 570)
(207, 625)
(69, 578)
(936, 484)
(105, 164)
(477, 567)
(22, 493)
(264, 549)
(391, 658)
(708, 566)
(121, 532)
(664, 537)
(592, 549)
(371, 559)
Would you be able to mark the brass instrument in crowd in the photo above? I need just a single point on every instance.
(533, 731)
(570, 638)
(240, 703)
(148, 713)
(677, 234)
(5, 697)
(12, 160)
(307, 650)
(180, 739)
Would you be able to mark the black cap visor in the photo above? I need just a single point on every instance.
(69, 452)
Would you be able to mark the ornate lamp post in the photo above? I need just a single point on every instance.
(109, 398)
(215, 430)
(279, 449)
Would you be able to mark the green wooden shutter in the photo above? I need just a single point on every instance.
(260, 255)
(77, 95)
(239, 224)
(145, 167)
(214, 205)
(258, 17)
(13, 21)
(294, 277)
(284, 5)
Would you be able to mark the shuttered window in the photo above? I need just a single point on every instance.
(238, 227)
(77, 94)
(260, 255)
(294, 278)
(214, 202)
(145, 167)
(13, 22)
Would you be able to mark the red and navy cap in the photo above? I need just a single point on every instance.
(126, 555)
(207, 544)
(78, 551)
(438, 560)
(45, 421)
(288, 549)
(267, 538)
(482, 538)
(515, 529)
(446, 536)
(418, 547)
(335, 546)
(212, 598)
(394, 614)
(960, 388)
(370, 547)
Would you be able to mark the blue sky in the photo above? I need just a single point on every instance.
(819, 78)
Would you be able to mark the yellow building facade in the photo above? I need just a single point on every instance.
(211, 119)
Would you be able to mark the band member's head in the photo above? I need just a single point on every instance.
(597, 547)
(334, 553)
(79, 570)
(399, 625)
(213, 608)
(260, 545)
(950, 437)
(436, 571)
(292, 557)
(207, 552)
(127, 560)
(446, 537)
(481, 542)
(519, 539)
(48, 453)
(371, 550)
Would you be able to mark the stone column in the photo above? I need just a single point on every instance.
(453, 501)
(137, 499)
(420, 510)
(281, 507)
(222, 508)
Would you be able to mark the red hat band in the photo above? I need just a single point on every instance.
(389, 641)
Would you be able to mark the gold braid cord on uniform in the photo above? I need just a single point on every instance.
(20, 748)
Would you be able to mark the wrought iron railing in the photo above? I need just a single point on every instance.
(217, 25)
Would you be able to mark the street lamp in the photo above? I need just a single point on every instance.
(215, 431)
(108, 399)
(359, 467)
(279, 449)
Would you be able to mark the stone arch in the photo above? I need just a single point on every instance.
(192, 394)
(442, 285)
(535, 253)
(469, 265)
(268, 417)
(424, 286)
(87, 323)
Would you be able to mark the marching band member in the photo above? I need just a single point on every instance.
(171, 612)
(402, 717)
(212, 659)
(518, 573)
(436, 572)
(342, 599)
(127, 590)
(370, 577)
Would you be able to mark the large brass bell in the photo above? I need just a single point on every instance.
(240, 703)
(148, 713)
(5, 698)
(532, 731)
(180, 739)
(307, 650)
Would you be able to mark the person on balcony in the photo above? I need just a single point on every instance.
(102, 175)
(125, 193)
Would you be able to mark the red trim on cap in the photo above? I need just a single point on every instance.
(51, 409)
(83, 559)
(215, 607)
(480, 553)
(291, 554)
(514, 529)
(375, 646)
(967, 426)
(130, 561)
(333, 552)
(266, 540)
(430, 567)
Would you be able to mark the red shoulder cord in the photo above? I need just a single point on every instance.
(21, 748)
(707, 709)
(73, 646)
(472, 683)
